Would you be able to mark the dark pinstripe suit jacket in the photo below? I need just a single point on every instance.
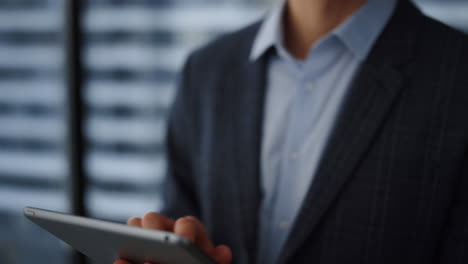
(393, 184)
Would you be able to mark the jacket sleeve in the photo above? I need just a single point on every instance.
(454, 247)
(179, 191)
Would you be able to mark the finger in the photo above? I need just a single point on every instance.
(222, 254)
(157, 221)
(191, 228)
(121, 261)
(134, 221)
(186, 228)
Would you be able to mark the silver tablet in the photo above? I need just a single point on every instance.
(105, 241)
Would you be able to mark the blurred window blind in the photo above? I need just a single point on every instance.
(33, 166)
(133, 53)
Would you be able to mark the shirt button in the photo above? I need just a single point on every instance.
(310, 86)
(283, 225)
(295, 156)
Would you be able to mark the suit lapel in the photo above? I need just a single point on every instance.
(368, 103)
(246, 93)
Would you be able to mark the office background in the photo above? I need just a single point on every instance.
(130, 52)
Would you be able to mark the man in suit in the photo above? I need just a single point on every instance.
(334, 131)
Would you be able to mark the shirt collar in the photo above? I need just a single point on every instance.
(270, 32)
(358, 33)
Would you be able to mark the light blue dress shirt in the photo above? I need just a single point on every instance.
(301, 105)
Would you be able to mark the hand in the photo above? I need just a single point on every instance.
(189, 227)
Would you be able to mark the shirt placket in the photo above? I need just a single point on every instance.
(298, 128)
